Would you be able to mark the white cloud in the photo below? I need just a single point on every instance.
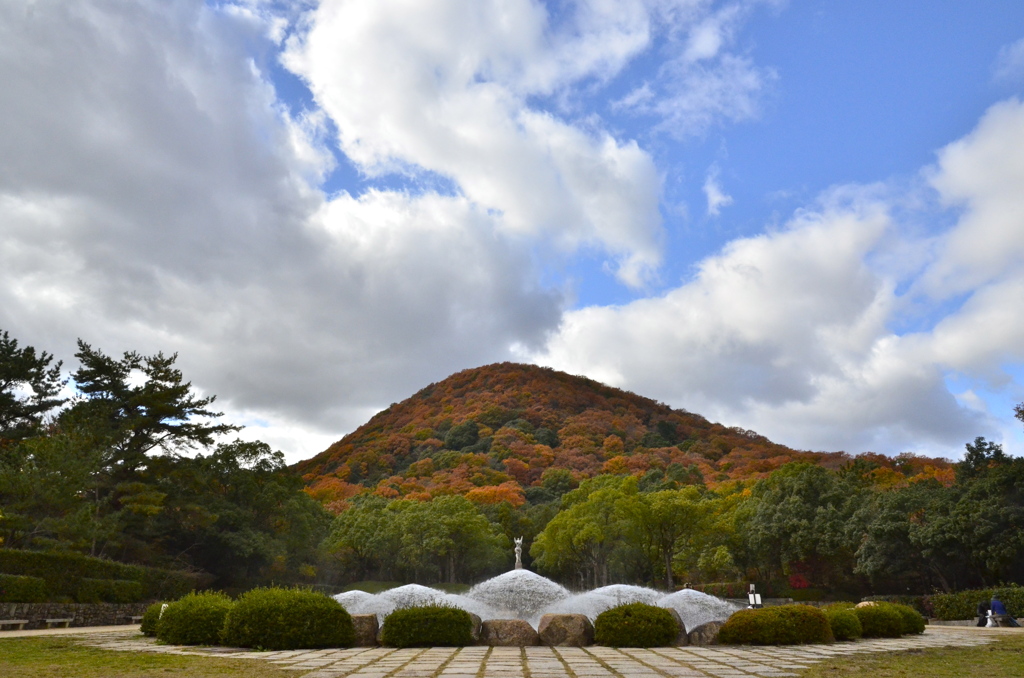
(703, 82)
(443, 86)
(1009, 64)
(154, 196)
(716, 197)
(982, 174)
(790, 333)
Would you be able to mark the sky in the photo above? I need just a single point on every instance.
(804, 218)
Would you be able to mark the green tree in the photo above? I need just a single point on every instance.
(805, 516)
(145, 404)
(589, 541)
(362, 538)
(447, 537)
(237, 513)
(666, 523)
(29, 386)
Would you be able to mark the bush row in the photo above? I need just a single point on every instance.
(22, 589)
(75, 576)
(964, 604)
(265, 618)
(793, 624)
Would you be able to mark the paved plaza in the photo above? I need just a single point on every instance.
(551, 662)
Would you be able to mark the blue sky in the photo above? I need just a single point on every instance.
(797, 217)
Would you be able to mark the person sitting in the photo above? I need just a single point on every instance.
(983, 608)
(1000, 615)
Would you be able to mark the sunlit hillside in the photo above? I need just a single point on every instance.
(508, 432)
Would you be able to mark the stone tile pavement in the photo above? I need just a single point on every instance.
(548, 662)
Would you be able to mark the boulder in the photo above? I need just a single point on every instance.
(475, 631)
(867, 603)
(565, 630)
(366, 630)
(705, 634)
(507, 633)
(682, 638)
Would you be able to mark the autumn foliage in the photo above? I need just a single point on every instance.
(492, 433)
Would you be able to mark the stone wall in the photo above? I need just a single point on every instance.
(99, 614)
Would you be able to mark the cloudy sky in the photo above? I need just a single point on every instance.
(804, 218)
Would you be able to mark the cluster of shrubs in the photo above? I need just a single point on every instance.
(72, 577)
(264, 618)
(793, 624)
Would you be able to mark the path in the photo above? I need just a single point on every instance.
(548, 662)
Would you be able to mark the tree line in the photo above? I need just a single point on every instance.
(126, 462)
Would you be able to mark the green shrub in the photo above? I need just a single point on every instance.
(844, 623)
(913, 622)
(108, 591)
(16, 588)
(63, 573)
(922, 604)
(427, 626)
(287, 619)
(964, 604)
(150, 618)
(783, 625)
(196, 619)
(880, 620)
(635, 625)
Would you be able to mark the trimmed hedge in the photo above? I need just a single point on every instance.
(427, 626)
(635, 625)
(108, 591)
(287, 619)
(783, 625)
(964, 605)
(881, 620)
(196, 619)
(63, 573)
(844, 623)
(15, 588)
(150, 618)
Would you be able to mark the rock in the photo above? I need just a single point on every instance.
(705, 634)
(366, 630)
(475, 631)
(682, 638)
(507, 633)
(565, 630)
(866, 603)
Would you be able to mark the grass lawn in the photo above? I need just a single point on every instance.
(60, 657)
(1001, 659)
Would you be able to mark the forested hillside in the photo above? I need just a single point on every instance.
(607, 486)
(511, 432)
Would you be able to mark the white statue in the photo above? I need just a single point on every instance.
(519, 552)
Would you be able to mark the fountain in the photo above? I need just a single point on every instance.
(521, 594)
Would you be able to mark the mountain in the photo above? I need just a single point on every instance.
(513, 432)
